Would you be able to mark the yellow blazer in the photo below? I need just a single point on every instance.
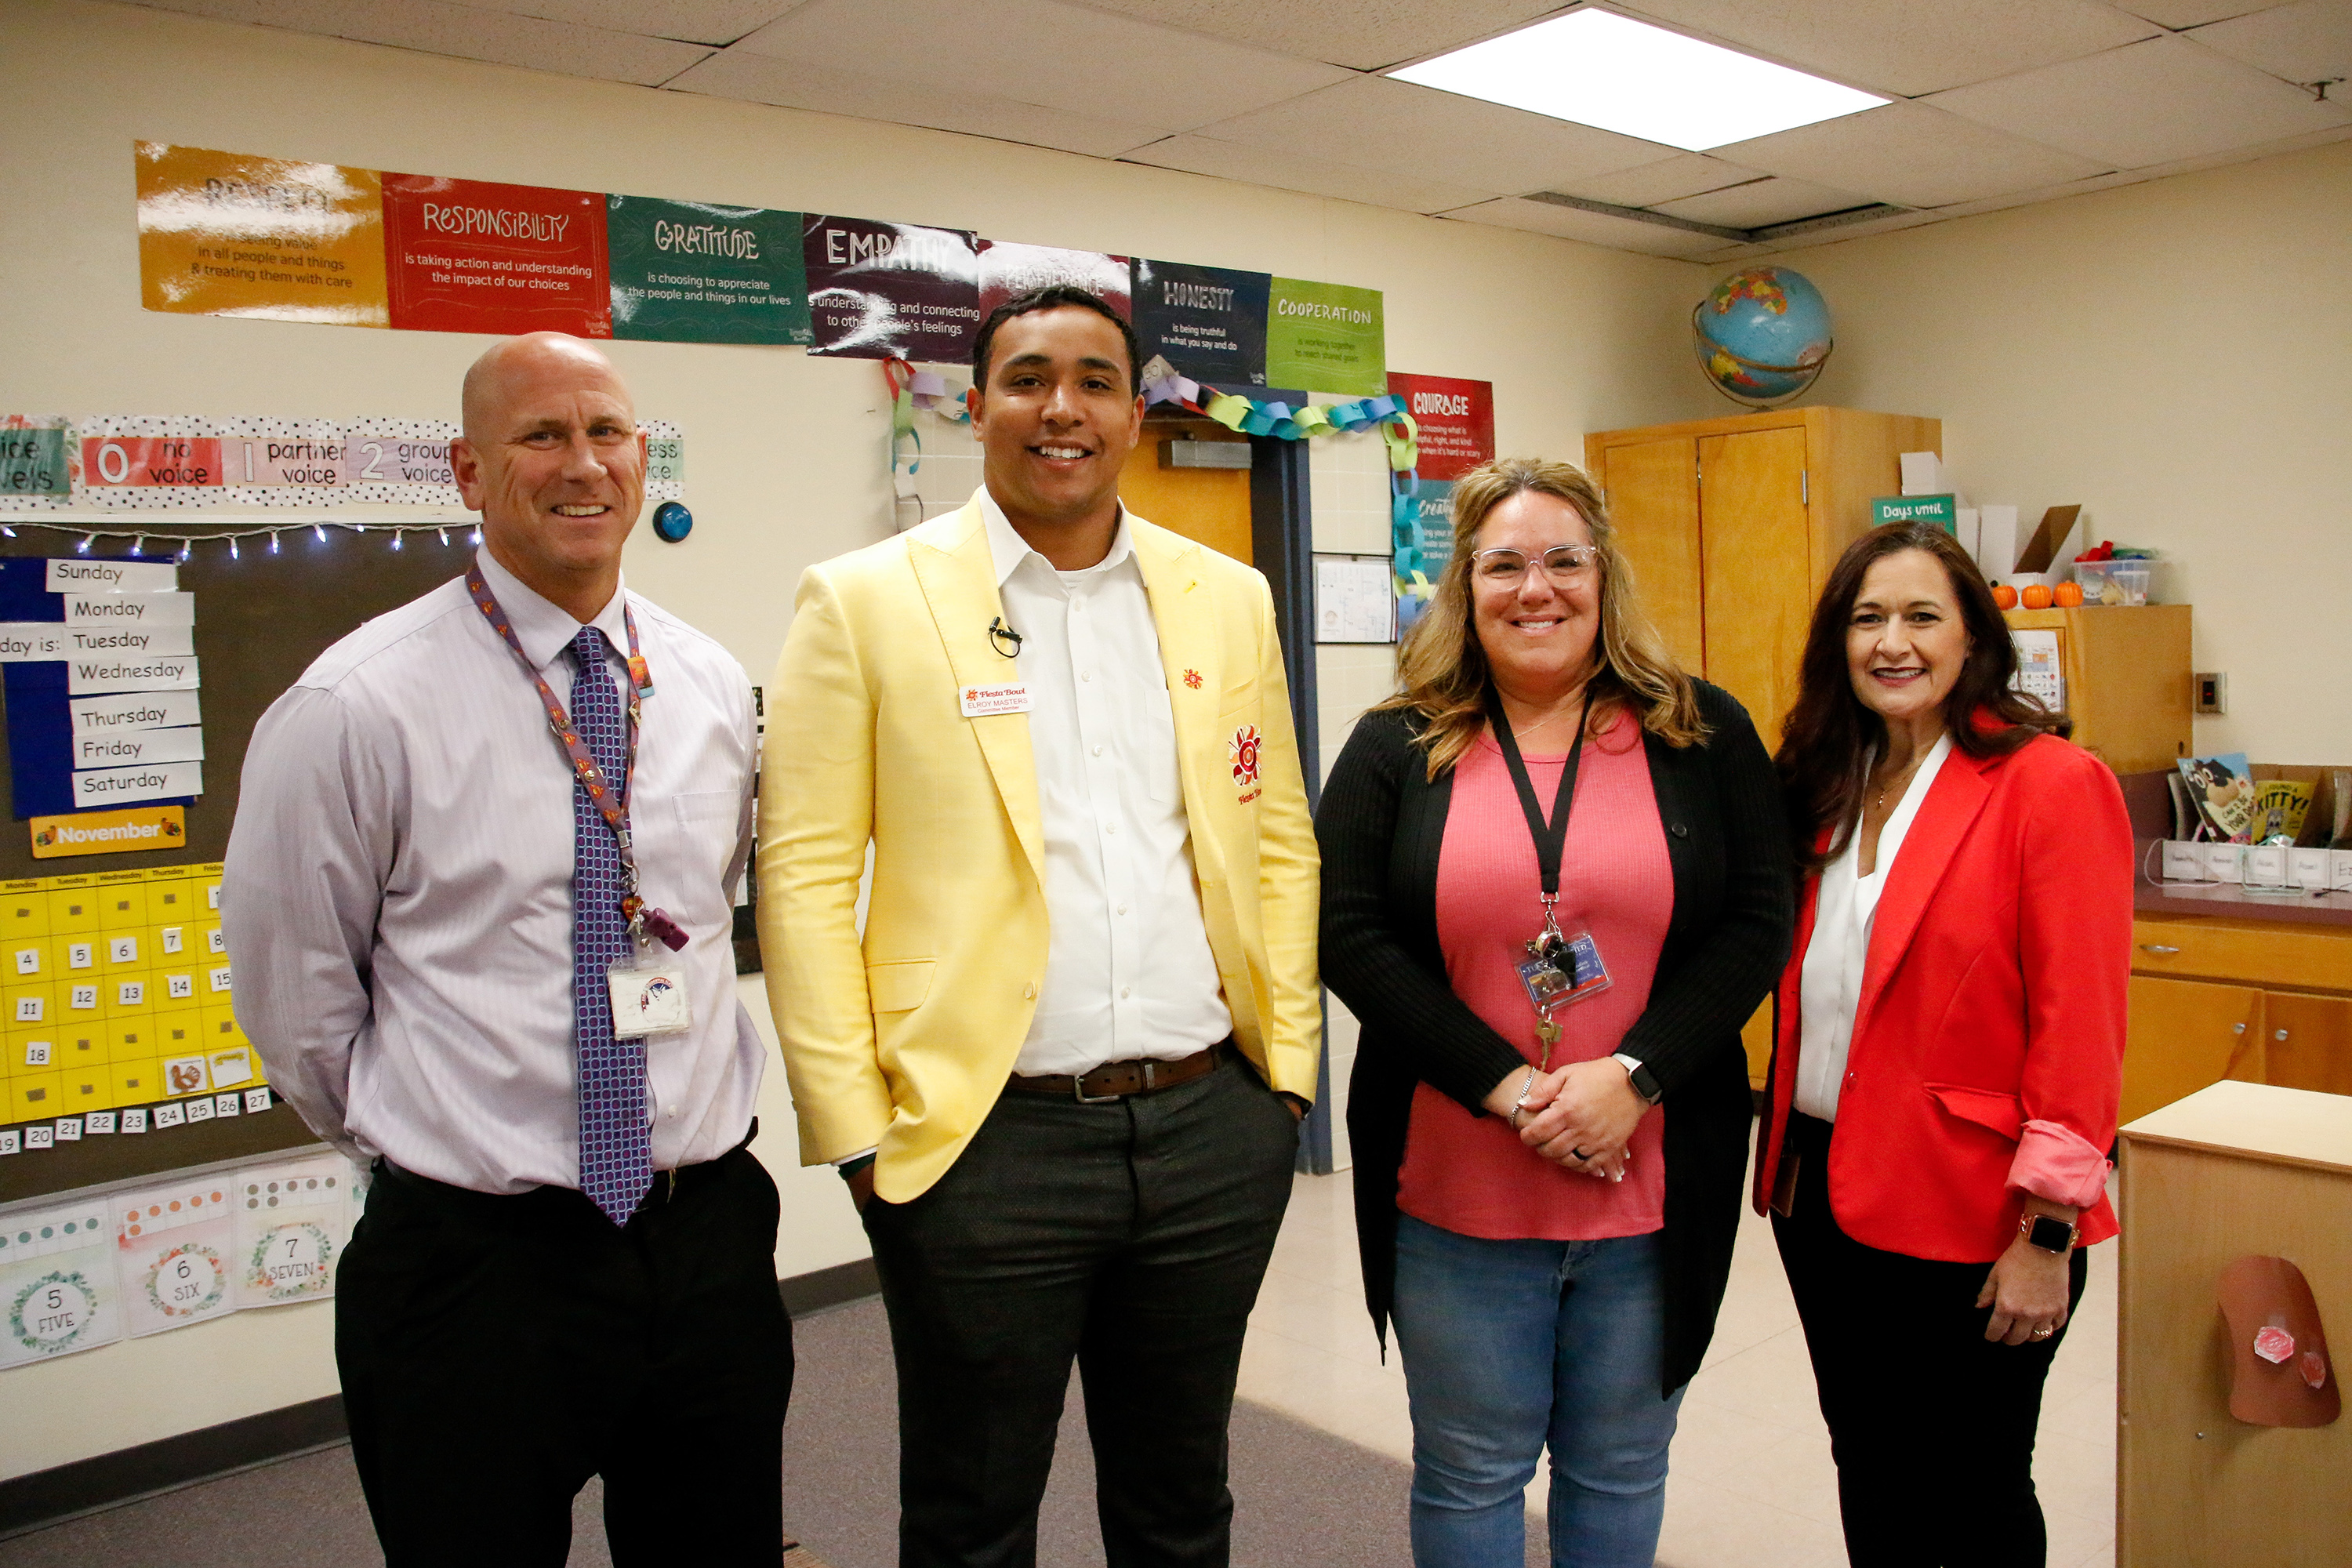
(905, 1039)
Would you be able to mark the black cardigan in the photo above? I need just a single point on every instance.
(1381, 825)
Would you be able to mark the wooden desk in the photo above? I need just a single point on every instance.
(2235, 1169)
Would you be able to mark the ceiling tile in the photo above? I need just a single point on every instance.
(1593, 229)
(1042, 52)
(2311, 41)
(1371, 120)
(1901, 46)
(2190, 12)
(1912, 155)
(763, 78)
(2155, 102)
(694, 21)
(2046, 193)
(1411, 191)
(1669, 179)
(1761, 201)
(1366, 35)
(436, 27)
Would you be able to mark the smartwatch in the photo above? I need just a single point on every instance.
(1644, 1081)
(2049, 1233)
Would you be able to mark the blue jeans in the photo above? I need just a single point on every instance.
(1509, 1345)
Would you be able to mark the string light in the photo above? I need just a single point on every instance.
(87, 539)
(12, 532)
(444, 535)
(321, 530)
(232, 547)
(187, 548)
(273, 542)
(138, 546)
(397, 535)
(476, 538)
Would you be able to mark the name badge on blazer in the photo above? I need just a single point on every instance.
(984, 701)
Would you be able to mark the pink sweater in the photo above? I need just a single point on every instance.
(1469, 1173)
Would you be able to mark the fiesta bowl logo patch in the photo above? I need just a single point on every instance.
(1244, 748)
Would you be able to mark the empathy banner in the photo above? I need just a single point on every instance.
(891, 290)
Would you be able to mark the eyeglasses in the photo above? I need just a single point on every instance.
(1563, 563)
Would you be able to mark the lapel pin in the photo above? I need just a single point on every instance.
(1193, 678)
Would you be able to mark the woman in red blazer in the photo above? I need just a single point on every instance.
(1948, 1052)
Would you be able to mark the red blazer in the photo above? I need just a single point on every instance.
(1987, 1044)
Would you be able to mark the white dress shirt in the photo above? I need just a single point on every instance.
(1129, 973)
(1840, 948)
(397, 901)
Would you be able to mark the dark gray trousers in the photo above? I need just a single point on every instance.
(1131, 1236)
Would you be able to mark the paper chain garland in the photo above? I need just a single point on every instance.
(912, 389)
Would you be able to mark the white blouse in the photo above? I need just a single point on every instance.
(1840, 948)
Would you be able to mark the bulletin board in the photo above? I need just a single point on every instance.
(262, 618)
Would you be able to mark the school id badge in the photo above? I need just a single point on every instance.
(1561, 970)
(650, 1001)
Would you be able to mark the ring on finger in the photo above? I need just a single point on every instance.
(2044, 1331)
(1580, 1154)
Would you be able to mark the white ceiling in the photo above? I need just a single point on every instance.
(1999, 103)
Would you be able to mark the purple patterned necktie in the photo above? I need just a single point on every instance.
(615, 1146)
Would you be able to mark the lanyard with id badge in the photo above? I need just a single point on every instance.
(1560, 969)
(649, 997)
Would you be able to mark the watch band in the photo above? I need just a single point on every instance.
(1644, 1081)
(2048, 1232)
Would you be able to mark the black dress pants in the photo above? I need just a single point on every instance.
(1131, 1236)
(1932, 1425)
(496, 1352)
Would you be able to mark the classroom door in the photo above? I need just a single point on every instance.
(1210, 505)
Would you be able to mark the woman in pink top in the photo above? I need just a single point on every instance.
(1556, 882)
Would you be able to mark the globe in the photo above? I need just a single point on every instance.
(1762, 335)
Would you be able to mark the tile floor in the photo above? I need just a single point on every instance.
(1751, 1480)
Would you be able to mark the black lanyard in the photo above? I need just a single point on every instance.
(1550, 837)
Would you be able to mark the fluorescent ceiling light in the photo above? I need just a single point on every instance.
(1597, 69)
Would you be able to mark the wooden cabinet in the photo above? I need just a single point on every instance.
(1731, 526)
(2237, 1170)
(2215, 997)
(2127, 679)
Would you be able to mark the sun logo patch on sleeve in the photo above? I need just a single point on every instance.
(1245, 749)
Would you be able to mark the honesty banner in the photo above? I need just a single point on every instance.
(1207, 322)
(467, 256)
(891, 290)
(232, 234)
(685, 272)
(1326, 337)
(1456, 421)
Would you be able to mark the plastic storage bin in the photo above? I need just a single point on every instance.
(2113, 581)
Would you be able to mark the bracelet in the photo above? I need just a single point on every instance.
(1521, 1103)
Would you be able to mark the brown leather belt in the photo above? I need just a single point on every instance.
(1118, 1080)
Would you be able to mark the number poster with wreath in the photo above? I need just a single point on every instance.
(175, 1254)
(58, 1291)
(291, 1222)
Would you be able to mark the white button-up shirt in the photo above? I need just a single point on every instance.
(1129, 973)
(397, 901)
(1830, 982)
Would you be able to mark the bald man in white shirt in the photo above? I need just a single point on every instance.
(483, 848)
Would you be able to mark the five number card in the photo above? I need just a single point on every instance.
(292, 1223)
(174, 1252)
(58, 1289)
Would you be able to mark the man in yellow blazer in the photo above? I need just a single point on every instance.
(1062, 1066)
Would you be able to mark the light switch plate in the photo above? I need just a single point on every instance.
(2212, 692)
